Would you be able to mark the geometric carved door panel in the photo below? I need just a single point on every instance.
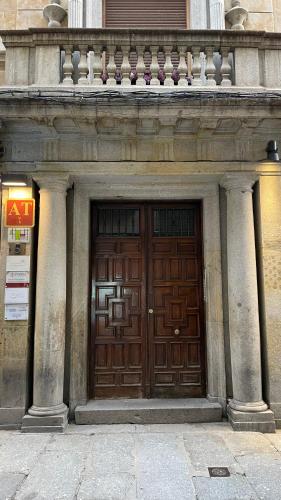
(146, 306)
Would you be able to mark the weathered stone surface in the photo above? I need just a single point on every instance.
(146, 411)
(162, 469)
(233, 487)
(110, 487)
(111, 454)
(19, 453)
(9, 484)
(55, 477)
(263, 472)
(140, 464)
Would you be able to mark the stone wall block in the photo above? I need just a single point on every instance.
(247, 67)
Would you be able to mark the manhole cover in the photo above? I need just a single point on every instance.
(219, 472)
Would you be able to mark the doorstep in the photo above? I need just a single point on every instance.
(148, 411)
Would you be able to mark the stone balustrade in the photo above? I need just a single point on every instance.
(175, 59)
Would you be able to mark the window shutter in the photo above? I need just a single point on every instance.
(145, 14)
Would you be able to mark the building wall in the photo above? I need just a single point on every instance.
(21, 14)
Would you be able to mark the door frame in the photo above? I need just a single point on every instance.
(79, 268)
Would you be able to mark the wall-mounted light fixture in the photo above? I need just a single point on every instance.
(14, 180)
(272, 151)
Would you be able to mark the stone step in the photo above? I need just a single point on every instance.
(148, 411)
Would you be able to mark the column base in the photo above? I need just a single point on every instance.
(45, 423)
(262, 421)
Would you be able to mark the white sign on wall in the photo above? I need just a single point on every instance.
(17, 312)
(18, 263)
(16, 295)
(17, 277)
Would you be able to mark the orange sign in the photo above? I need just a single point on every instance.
(20, 213)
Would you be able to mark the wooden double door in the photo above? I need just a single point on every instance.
(147, 325)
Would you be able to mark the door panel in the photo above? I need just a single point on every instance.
(118, 304)
(175, 290)
(147, 258)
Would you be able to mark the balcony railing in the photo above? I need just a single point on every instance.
(177, 59)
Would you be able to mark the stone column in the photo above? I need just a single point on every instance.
(48, 412)
(198, 14)
(93, 13)
(75, 14)
(217, 15)
(247, 410)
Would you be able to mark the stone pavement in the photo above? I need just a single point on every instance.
(134, 462)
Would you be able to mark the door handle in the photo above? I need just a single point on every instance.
(150, 311)
(177, 331)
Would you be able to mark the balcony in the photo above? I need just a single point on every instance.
(158, 60)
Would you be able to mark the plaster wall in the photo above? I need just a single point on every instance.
(21, 14)
(269, 251)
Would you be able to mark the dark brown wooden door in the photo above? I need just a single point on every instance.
(147, 308)
(175, 288)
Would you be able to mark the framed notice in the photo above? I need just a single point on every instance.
(16, 312)
(18, 263)
(18, 235)
(17, 277)
(19, 295)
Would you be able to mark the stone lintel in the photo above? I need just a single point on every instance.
(252, 422)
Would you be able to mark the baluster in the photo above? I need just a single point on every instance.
(196, 67)
(154, 66)
(225, 68)
(126, 66)
(210, 67)
(182, 68)
(97, 66)
(68, 66)
(83, 68)
(111, 67)
(140, 67)
(168, 66)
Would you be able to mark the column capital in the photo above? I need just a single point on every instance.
(56, 183)
(239, 181)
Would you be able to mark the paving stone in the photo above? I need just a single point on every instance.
(71, 442)
(264, 474)
(227, 488)
(245, 443)
(111, 454)
(275, 440)
(162, 469)
(208, 450)
(56, 476)
(9, 483)
(101, 429)
(171, 428)
(108, 487)
(19, 452)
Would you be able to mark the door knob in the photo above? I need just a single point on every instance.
(177, 332)
(150, 311)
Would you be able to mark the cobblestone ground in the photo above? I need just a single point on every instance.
(134, 462)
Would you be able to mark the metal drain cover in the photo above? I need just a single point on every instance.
(219, 472)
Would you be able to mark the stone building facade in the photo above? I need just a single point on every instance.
(155, 257)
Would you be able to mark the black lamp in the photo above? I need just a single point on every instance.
(272, 151)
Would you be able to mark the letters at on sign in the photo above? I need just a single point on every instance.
(20, 213)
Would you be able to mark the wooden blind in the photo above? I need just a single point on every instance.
(145, 14)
